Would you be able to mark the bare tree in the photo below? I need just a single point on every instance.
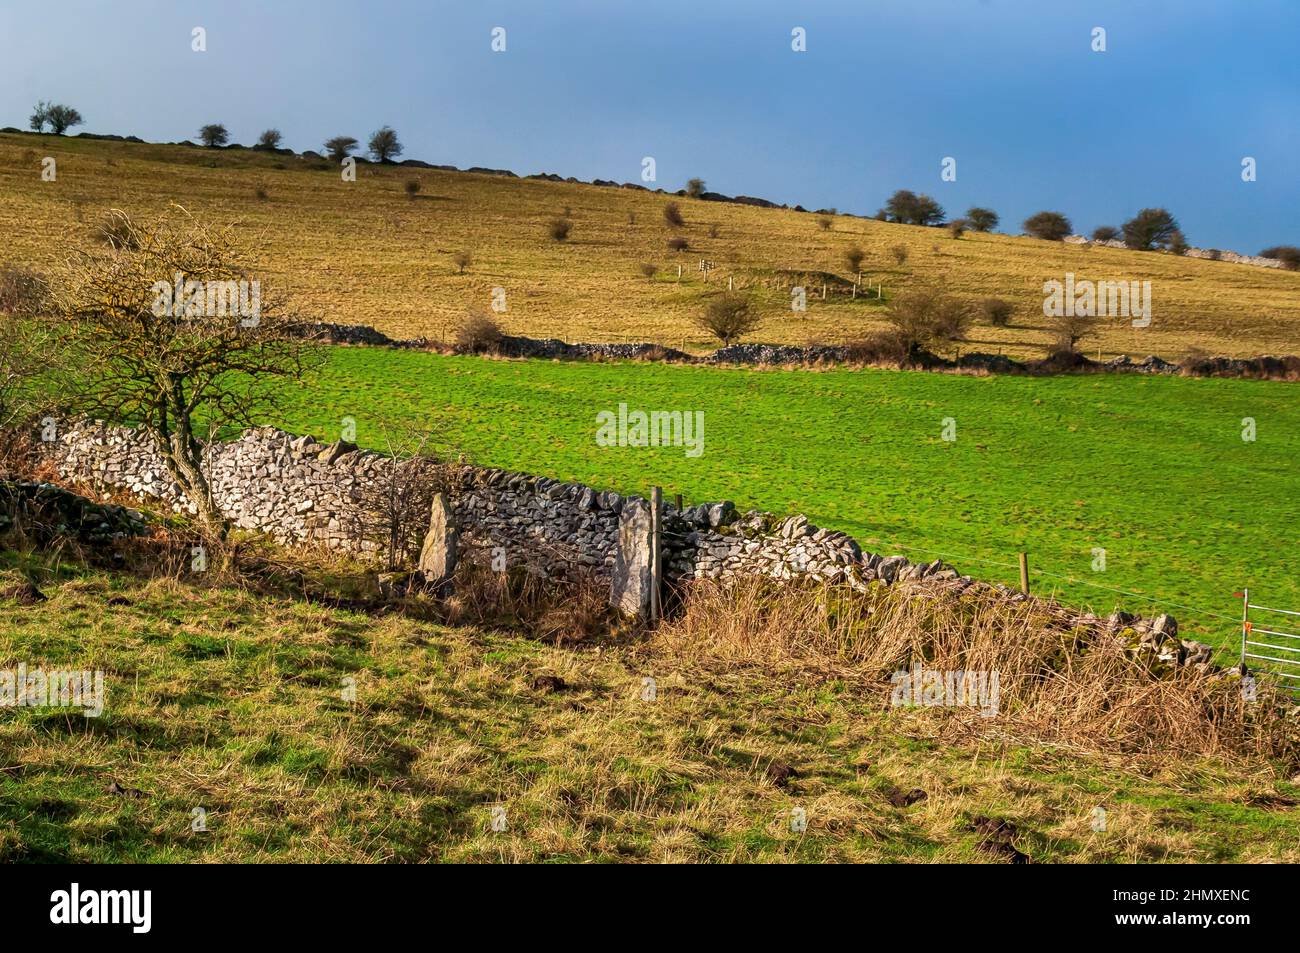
(1049, 226)
(214, 134)
(61, 118)
(912, 209)
(384, 145)
(40, 116)
(170, 359)
(340, 147)
(1151, 228)
(270, 139)
(695, 188)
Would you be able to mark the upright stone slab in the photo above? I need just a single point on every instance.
(630, 586)
(441, 544)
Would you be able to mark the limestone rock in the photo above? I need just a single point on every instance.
(630, 588)
(441, 544)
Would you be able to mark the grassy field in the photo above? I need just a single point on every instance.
(229, 702)
(1152, 470)
(365, 253)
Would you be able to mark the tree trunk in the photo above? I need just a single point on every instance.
(184, 459)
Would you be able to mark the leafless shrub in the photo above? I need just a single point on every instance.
(997, 312)
(923, 316)
(559, 228)
(1069, 329)
(478, 334)
(880, 347)
(22, 292)
(729, 317)
(393, 512)
(673, 215)
(566, 610)
(853, 257)
(116, 231)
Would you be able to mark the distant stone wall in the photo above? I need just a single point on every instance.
(1214, 254)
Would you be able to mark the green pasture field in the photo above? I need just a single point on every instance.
(1153, 470)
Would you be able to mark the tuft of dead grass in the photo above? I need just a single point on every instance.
(1076, 684)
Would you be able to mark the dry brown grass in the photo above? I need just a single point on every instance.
(1071, 684)
(334, 246)
(575, 610)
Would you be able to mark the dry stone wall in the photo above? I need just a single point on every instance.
(1214, 254)
(301, 491)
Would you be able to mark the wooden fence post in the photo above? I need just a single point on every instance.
(656, 550)
(1024, 573)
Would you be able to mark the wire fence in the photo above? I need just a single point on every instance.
(962, 560)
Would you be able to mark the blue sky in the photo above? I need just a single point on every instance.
(886, 89)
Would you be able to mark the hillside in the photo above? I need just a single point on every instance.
(366, 253)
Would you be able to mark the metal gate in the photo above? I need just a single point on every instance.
(1281, 651)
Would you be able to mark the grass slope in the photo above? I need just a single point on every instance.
(365, 253)
(231, 703)
(1153, 470)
